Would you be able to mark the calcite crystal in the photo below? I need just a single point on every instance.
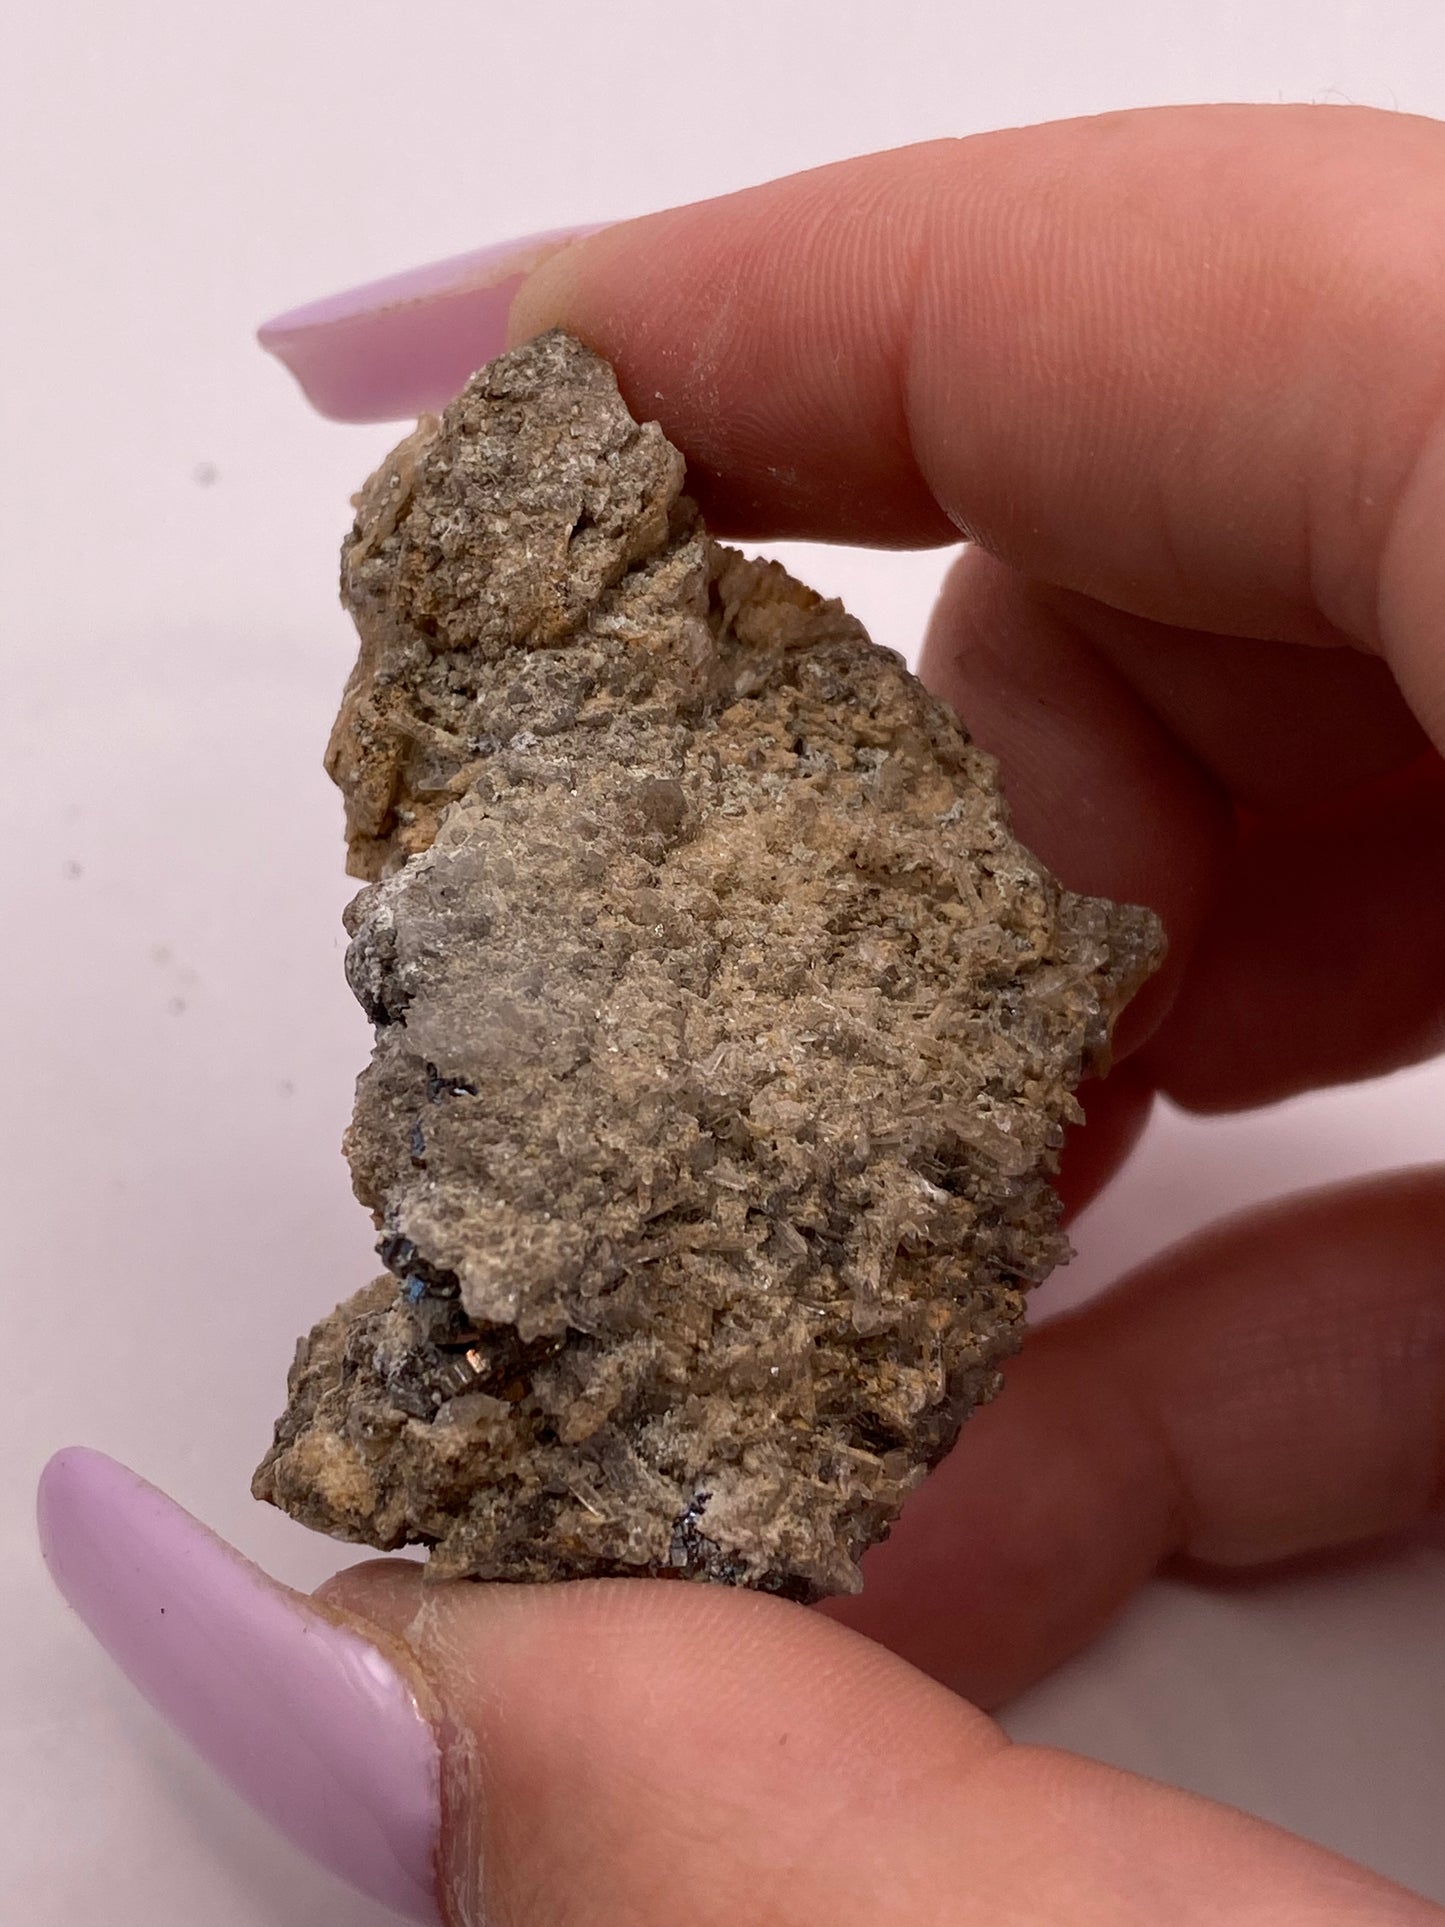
(725, 1036)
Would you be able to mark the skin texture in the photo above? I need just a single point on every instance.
(1180, 375)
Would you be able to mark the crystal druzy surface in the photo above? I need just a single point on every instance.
(725, 1035)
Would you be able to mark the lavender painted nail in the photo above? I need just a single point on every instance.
(394, 348)
(304, 1718)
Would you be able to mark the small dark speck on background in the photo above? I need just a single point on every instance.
(205, 474)
(72, 871)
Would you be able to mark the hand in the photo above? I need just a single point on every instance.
(1179, 377)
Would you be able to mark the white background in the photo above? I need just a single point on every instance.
(178, 1043)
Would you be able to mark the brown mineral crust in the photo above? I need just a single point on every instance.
(725, 1035)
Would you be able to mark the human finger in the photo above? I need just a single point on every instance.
(1183, 360)
(645, 1753)
(375, 353)
(1081, 337)
(1272, 726)
(1279, 726)
(1110, 799)
(639, 1753)
(1272, 1387)
(1307, 933)
(1116, 1109)
(1322, 960)
(1161, 358)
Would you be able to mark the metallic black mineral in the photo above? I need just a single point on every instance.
(725, 1037)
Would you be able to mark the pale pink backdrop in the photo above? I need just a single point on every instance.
(178, 1042)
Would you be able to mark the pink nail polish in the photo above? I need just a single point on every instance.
(394, 348)
(307, 1720)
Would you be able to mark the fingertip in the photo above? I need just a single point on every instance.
(553, 294)
(744, 1745)
(391, 349)
(305, 1716)
(765, 335)
(385, 1593)
(1412, 588)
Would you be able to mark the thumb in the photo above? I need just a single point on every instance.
(640, 1754)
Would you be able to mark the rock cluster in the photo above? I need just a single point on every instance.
(725, 1035)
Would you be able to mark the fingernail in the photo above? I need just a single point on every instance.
(395, 348)
(305, 1718)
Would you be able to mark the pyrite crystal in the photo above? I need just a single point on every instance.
(725, 1036)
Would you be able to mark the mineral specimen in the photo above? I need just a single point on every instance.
(725, 1036)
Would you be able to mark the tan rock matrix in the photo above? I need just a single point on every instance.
(725, 1036)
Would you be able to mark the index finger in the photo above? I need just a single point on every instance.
(1185, 360)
